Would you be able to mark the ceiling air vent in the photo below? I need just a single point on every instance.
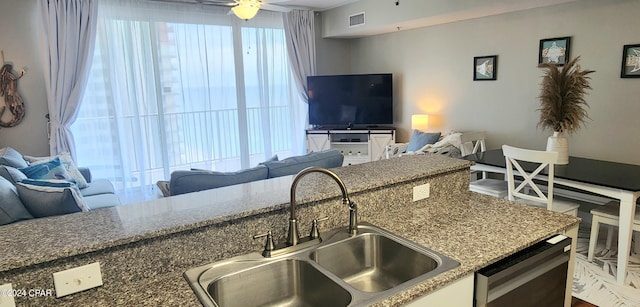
(356, 20)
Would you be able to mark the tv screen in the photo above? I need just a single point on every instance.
(350, 100)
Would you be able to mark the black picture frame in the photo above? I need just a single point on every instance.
(554, 50)
(630, 61)
(485, 68)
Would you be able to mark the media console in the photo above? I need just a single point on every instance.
(357, 145)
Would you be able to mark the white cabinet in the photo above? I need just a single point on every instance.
(459, 294)
(317, 142)
(357, 146)
(378, 146)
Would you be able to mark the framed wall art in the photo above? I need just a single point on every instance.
(630, 61)
(485, 67)
(554, 50)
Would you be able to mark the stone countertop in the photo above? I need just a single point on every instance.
(476, 231)
(40, 240)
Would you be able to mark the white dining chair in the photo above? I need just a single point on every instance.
(608, 214)
(472, 143)
(527, 191)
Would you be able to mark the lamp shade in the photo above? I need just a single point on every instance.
(420, 122)
(246, 9)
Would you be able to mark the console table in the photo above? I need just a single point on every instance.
(615, 180)
(357, 145)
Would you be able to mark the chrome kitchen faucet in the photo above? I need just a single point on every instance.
(293, 238)
(293, 241)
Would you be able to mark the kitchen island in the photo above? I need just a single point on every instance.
(143, 249)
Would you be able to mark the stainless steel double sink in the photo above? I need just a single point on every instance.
(342, 270)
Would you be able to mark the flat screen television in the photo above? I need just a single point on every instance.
(350, 101)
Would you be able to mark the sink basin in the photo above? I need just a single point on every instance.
(280, 283)
(372, 262)
(342, 270)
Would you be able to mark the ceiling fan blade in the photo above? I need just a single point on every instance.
(227, 3)
(276, 8)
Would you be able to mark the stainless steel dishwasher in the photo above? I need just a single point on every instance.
(535, 276)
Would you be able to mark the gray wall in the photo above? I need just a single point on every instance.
(433, 68)
(19, 39)
(333, 56)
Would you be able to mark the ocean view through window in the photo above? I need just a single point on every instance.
(192, 89)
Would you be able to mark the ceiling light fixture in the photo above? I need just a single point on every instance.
(246, 9)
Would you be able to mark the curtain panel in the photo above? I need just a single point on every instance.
(301, 44)
(67, 30)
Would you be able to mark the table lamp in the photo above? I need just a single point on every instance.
(420, 122)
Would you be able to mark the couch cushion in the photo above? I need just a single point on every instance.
(11, 208)
(101, 201)
(192, 181)
(11, 157)
(292, 165)
(42, 200)
(420, 139)
(99, 186)
(12, 174)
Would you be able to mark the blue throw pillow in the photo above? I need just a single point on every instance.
(420, 139)
(11, 207)
(11, 157)
(12, 174)
(48, 170)
(67, 162)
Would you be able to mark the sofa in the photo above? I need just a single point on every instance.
(36, 187)
(188, 181)
(452, 144)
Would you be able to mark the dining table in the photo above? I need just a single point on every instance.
(615, 180)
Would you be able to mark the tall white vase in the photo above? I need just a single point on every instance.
(557, 142)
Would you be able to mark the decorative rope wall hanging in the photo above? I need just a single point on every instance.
(12, 99)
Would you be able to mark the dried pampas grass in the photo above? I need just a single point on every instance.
(562, 97)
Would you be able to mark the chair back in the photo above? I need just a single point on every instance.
(477, 142)
(543, 159)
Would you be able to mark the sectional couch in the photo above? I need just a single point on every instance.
(182, 182)
(23, 197)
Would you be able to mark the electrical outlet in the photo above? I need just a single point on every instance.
(6, 296)
(77, 279)
(421, 192)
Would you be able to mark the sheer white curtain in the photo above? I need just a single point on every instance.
(185, 86)
(67, 30)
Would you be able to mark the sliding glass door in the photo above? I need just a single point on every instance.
(171, 92)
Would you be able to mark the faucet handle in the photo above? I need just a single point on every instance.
(269, 246)
(315, 232)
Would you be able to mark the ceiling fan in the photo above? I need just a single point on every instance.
(247, 9)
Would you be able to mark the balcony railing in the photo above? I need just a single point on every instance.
(205, 139)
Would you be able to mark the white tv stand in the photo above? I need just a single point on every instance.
(357, 145)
